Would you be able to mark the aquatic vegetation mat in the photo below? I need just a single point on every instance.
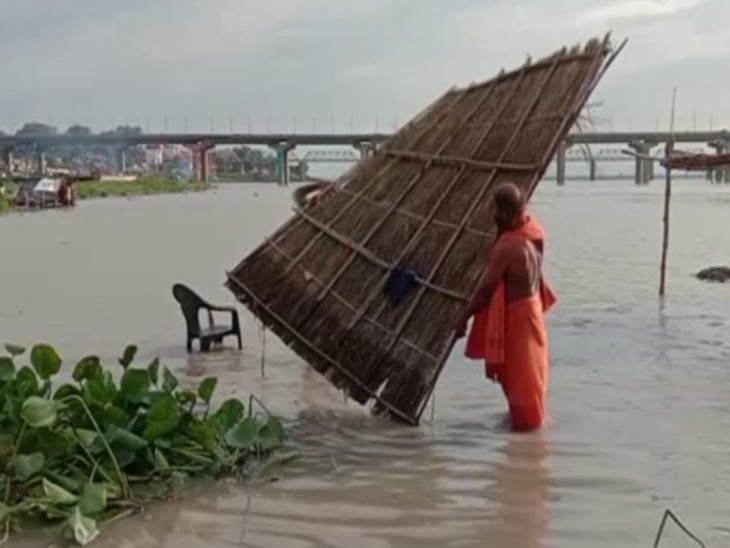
(364, 285)
(95, 449)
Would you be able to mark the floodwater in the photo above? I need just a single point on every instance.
(638, 397)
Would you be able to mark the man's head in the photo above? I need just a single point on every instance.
(508, 204)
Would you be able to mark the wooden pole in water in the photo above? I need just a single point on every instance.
(669, 147)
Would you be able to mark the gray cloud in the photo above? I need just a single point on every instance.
(315, 61)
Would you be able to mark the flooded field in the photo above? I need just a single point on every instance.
(638, 397)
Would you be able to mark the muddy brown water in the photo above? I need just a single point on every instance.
(638, 397)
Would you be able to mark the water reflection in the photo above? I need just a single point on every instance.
(520, 491)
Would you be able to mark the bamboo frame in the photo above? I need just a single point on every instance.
(353, 201)
(387, 213)
(454, 161)
(409, 186)
(363, 252)
(344, 302)
(440, 201)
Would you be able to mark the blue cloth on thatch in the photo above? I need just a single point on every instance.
(401, 282)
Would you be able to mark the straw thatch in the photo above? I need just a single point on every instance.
(421, 202)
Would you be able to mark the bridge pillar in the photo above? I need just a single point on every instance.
(201, 161)
(560, 163)
(644, 171)
(366, 149)
(720, 174)
(283, 168)
(592, 169)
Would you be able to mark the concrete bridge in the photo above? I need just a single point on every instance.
(642, 143)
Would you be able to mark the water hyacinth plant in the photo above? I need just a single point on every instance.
(94, 449)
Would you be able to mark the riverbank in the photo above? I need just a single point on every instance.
(108, 188)
(139, 187)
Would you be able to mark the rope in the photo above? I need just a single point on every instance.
(669, 514)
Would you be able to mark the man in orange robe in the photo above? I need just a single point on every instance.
(508, 331)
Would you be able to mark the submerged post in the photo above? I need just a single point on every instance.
(669, 147)
(592, 169)
(721, 174)
(560, 163)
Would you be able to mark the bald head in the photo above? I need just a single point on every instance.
(508, 202)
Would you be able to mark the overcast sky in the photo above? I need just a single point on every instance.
(203, 62)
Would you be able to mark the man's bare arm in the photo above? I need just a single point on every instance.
(488, 284)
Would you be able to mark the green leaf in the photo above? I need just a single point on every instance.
(128, 357)
(15, 350)
(243, 435)
(66, 390)
(271, 434)
(57, 494)
(93, 499)
(86, 437)
(25, 467)
(162, 417)
(204, 434)
(54, 444)
(125, 438)
(115, 415)
(160, 461)
(7, 369)
(101, 390)
(135, 384)
(88, 368)
(42, 506)
(27, 382)
(45, 360)
(124, 456)
(169, 381)
(228, 414)
(4, 513)
(154, 370)
(84, 529)
(206, 388)
(39, 413)
(70, 484)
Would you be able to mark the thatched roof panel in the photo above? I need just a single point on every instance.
(421, 203)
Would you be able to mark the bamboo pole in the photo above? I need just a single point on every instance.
(667, 197)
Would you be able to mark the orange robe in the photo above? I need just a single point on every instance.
(512, 340)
